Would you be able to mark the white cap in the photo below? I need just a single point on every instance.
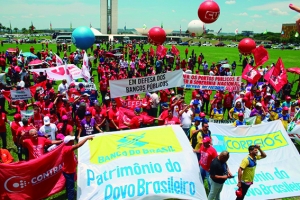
(106, 98)
(258, 104)
(86, 94)
(46, 120)
(242, 93)
(68, 138)
(269, 94)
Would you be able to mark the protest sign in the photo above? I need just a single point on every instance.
(35, 179)
(20, 94)
(126, 87)
(2, 78)
(249, 121)
(276, 175)
(88, 86)
(202, 82)
(26, 113)
(139, 164)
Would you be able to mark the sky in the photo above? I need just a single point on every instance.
(251, 15)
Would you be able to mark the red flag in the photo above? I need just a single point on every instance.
(33, 88)
(276, 76)
(161, 51)
(174, 50)
(251, 74)
(151, 51)
(261, 56)
(20, 181)
(6, 95)
(127, 114)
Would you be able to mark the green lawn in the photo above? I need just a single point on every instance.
(212, 54)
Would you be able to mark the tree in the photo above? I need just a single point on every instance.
(16, 29)
(24, 30)
(8, 30)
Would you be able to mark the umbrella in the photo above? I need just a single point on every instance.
(11, 50)
(118, 54)
(36, 62)
(28, 54)
(295, 70)
(109, 54)
(226, 66)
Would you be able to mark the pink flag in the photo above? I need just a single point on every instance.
(59, 61)
(261, 56)
(276, 76)
(174, 50)
(251, 74)
(85, 68)
(161, 51)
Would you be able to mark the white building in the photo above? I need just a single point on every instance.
(109, 16)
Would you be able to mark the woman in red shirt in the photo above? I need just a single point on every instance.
(68, 111)
(63, 127)
(37, 119)
(22, 106)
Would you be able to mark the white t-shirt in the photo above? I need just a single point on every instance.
(21, 84)
(211, 73)
(186, 119)
(62, 88)
(49, 130)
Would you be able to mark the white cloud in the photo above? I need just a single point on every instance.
(256, 16)
(173, 11)
(242, 14)
(277, 11)
(230, 2)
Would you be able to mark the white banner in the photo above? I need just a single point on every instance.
(205, 82)
(2, 78)
(59, 72)
(134, 164)
(157, 82)
(20, 94)
(88, 86)
(276, 176)
(26, 113)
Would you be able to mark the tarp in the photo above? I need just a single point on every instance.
(126, 87)
(135, 164)
(35, 179)
(276, 176)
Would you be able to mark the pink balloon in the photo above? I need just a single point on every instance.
(157, 36)
(208, 11)
(246, 46)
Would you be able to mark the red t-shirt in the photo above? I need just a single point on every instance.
(46, 108)
(69, 159)
(37, 121)
(113, 115)
(228, 99)
(72, 93)
(69, 129)
(163, 116)
(135, 122)
(3, 119)
(103, 85)
(36, 148)
(14, 128)
(67, 111)
(207, 156)
(25, 129)
(172, 121)
(99, 116)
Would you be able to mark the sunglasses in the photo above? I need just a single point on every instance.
(206, 126)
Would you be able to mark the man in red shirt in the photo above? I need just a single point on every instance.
(46, 106)
(208, 153)
(103, 87)
(228, 102)
(3, 120)
(25, 131)
(70, 163)
(99, 115)
(171, 120)
(35, 144)
(137, 121)
(14, 127)
(113, 116)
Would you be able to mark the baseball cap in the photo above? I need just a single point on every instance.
(46, 120)
(202, 114)
(72, 85)
(241, 114)
(64, 117)
(206, 140)
(288, 98)
(197, 119)
(87, 113)
(60, 136)
(86, 94)
(196, 102)
(68, 138)
(285, 108)
(258, 104)
(17, 116)
(137, 109)
(242, 93)
(165, 105)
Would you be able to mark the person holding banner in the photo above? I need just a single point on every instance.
(137, 121)
(285, 117)
(171, 120)
(241, 121)
(63, 127)
(217, 113)
(259, 112)
(233, 113)
(22, 106)
(88, 126)
(246, 170)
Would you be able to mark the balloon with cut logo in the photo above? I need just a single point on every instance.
(196, 27)
(157, 36)
(208, 11)
(246, 46)
(83, 37)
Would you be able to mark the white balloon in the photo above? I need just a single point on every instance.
(196, 27)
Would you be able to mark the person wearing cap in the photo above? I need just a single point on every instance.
(63, 127)
(67, 110)
(195, 138)
(207, 154)
(250, 96)
(164, 97)
(164, 114)
(217, 113)
(233, 113)
(70, 163)
(202, 117)
(285, 117)
(63, 87)
(171, 120)
(88, 126)
(14, 125)
(146, 103)
(196, 107)
(247, 168)
(36, 144)
(241, 121)
(72, 92)
(49, 129)
(287, 102)
(219, 172)
(177, 105)
(259, 112)
(137, 121)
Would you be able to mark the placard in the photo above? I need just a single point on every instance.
(20, 94)
(26, 113)
(88, 86)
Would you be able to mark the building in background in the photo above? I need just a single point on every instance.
(288, 30)
(109, 16)
(247, 33)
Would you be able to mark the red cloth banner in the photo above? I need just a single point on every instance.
(261, 56)
(174, 50)
(132, 104)
(36, 179)
(33, 88)
(202, 82)
(127, 114)
(161, 51)
(251, 74)
(277, 76)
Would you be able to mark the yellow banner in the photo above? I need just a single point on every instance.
(267, 142)
(139, 142)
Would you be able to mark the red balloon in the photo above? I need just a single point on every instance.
(157, 36)
(208, 11)
(246, 46)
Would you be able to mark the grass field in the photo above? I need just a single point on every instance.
(212, 54)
